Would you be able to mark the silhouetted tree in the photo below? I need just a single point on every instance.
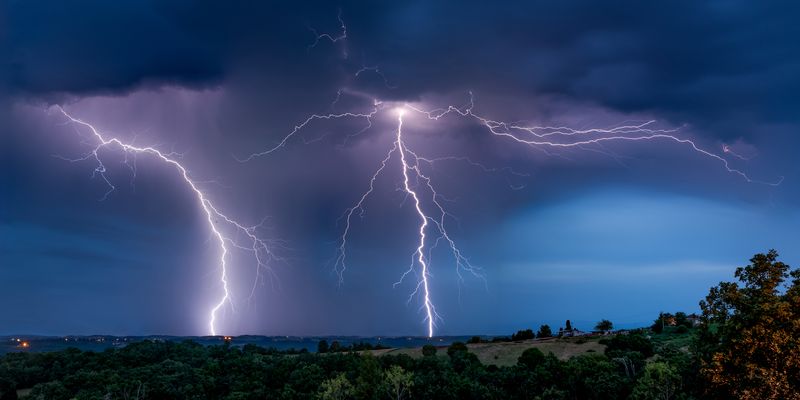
(681, 319)
(474, 339)
(531, 358)
(428, 350)
(455, 348)
(632, 342)
(523, 335)
(604, 325)
(322, 346)
(544, 332)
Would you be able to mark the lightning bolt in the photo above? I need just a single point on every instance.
(247, 240)
(540, 134)
(430, 310)
(430, 210)
(318, 37)
(416, 182)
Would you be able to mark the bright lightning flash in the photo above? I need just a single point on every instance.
(418, 185)
(247, 238)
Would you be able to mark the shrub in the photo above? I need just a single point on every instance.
(428, 350)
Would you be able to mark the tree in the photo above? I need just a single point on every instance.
(322, 347)
(428, 350)
(568, 326)
(681, 319)
(594, 377)
(632, 342)
(336, 388)
(664, 320)
(604, 325)
(531, 358)
(658, 324)
(748, 342)
(660, 381)
(398, 382)
(8, 391)
(368, 383)
(50, 391)
(544, 332)
(455, 348)
(335, 346)
(523, 335)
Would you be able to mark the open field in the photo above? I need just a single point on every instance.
(506, 353)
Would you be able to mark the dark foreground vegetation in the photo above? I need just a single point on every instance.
(746, 346)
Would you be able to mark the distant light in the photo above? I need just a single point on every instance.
(25, 345)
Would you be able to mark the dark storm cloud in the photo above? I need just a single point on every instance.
(97, 47)
(695, 61)
(698, 61)
(218, 79)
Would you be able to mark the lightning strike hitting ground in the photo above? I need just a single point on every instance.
(416, 182)
(250, 242)
(420, 252)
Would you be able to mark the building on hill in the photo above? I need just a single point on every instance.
(693, 319)
(574, 332)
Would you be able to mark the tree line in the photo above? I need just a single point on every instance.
(746, 347)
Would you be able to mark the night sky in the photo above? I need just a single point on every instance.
(620, 230)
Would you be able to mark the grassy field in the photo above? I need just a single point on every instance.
(506, 353)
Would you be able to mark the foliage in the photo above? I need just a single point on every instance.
(523, 335)
(322, 346)
(748, 343)
(455, 348)
(544, 332)
(475, 340)
(630, 342)
(666, 322)
(604, 325)
(531, 358)
(746, 348)
(660, 381)
(681, 319)
(428, 350)
(168, 370)
(7, 389)
(398, 382)
(337, 388)
(336, 347)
